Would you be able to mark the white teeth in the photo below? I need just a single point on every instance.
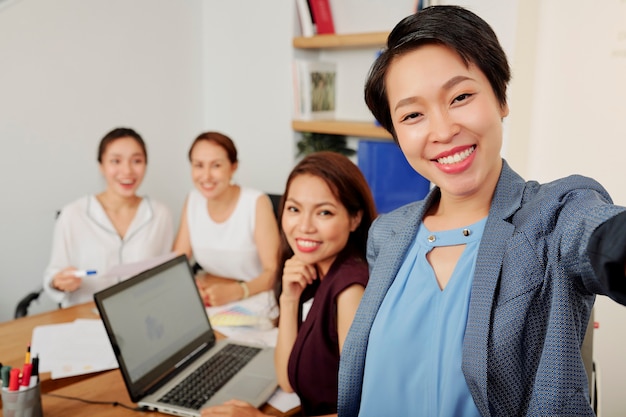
(457, 157)
(307, 243)
(126, 182)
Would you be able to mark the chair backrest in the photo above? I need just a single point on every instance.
(21, 309)
(275, 198)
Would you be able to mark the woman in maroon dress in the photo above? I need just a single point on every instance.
(325, 214)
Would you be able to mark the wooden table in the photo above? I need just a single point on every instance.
(15, 336)
(109, 387)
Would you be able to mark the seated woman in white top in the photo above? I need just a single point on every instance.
(231, 231)
(97, 232)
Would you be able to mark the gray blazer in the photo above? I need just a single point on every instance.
(532, 294)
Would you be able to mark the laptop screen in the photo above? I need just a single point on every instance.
(155, 320)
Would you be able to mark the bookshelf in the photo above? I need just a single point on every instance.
(339, 127)
(356, 40)
(337, 42)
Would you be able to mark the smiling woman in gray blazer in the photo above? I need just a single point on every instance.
(479, 296)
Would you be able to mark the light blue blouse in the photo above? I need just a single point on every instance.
(414, 355)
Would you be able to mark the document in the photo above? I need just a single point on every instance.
(76, 348)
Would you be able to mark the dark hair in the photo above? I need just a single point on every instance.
(348, 185)
(451, 26)
(220, 140)
(118, 133)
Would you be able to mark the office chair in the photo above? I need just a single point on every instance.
(275, 199)
(21, 310)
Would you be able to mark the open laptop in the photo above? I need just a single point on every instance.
(160, 333)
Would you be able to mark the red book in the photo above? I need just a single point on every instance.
(322, 16)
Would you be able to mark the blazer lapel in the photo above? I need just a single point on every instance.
(498, 230)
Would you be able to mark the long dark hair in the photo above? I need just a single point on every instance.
(348, 185)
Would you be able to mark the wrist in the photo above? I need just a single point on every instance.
(285, 300)
(245, 289)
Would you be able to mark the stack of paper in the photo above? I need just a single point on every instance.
(76, 348)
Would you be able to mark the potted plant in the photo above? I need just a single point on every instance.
(315, 142)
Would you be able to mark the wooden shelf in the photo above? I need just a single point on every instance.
(356, 40)
(342, 127)
(338, 127)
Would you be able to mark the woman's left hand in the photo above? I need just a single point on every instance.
(232, 408)
(219, 294)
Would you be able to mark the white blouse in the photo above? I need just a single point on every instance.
(225, 249)
(85, 238)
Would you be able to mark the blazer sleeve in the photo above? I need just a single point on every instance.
(607, 254)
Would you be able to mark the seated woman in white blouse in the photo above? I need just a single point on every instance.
(116, 226)
(231, 231)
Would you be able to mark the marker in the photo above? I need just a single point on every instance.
(35, 371)
(27, 356)
(26, 373)
(5, 372)
(84, 272)
(14, 381)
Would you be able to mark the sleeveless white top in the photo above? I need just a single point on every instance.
(226, 249)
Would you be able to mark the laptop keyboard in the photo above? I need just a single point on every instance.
(204, 382)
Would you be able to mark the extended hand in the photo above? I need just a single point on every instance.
(66, 281)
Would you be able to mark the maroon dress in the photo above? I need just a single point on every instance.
(314, 362)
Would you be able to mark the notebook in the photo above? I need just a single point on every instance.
(160, 334)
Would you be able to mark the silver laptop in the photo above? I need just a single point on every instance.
(161, 335)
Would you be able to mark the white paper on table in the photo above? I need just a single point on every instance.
(76, 348)
(284, 401)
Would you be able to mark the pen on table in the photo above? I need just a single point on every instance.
(27, 356)
(81, 273)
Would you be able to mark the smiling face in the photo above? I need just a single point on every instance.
(211, 170)
(315, 223)
(447, 120)
(123, 166)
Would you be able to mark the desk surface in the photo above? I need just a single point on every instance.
(15, 336)
(107, 386)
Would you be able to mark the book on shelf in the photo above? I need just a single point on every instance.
(305, 17)
(322, 16)
(422, 4)
(314, 89)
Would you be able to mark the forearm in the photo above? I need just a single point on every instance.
(287, 333)
(264, 282)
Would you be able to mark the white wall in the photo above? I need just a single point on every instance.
(72, 70)
(247, 55)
